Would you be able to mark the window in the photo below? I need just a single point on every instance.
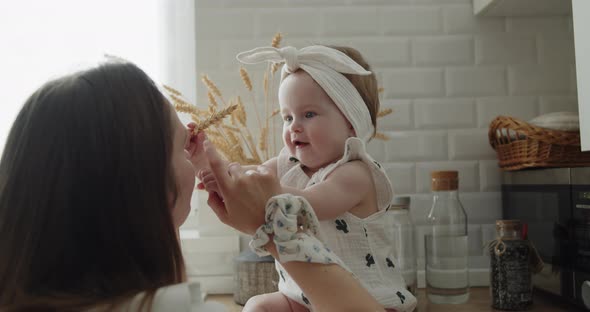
(44, 39)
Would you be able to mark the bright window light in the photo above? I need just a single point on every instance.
(41, 40)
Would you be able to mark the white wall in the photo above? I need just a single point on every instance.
(446, 74)
(581, 11)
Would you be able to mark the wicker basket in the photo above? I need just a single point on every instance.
(521, 145)
(254, 276)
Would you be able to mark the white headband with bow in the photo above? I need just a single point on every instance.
(326, 66)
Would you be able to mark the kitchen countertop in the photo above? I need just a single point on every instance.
(479, 301)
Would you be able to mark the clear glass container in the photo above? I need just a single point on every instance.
(403, 239)
(510, 268)
(447, 275)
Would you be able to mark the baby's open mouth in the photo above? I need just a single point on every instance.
(299, 144)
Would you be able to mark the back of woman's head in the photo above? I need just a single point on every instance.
(85, 187)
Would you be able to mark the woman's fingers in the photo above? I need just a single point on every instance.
(216, 203)
(235, 170)
(211, 186)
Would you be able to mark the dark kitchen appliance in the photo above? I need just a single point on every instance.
(555, 203)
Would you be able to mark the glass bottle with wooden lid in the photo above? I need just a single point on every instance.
(447, 276)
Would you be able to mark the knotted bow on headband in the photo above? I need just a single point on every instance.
(326, 66)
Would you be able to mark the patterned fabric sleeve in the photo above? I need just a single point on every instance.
(295, 227)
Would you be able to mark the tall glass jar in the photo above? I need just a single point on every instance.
(447, 276)
(510, 269)
(403, 238)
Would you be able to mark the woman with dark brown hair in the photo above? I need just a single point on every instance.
(90, 202)
(95, 180)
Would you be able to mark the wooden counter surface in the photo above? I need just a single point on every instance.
(479, 300)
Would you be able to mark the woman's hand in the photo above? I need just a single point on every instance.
(244, 192)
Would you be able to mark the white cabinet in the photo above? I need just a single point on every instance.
(581, 17)
(522, 7)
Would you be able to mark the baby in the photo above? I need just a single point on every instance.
(329, 102)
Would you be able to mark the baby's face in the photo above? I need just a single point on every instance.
(314, 129)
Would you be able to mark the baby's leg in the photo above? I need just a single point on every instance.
(272, 302)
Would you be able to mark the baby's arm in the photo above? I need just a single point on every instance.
(209, 183)
(195, 149)
(342, 190)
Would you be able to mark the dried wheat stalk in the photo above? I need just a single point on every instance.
(215, 118)
(381, 136)
(274, 113)
(211, 86)
(212, 100)
(181, 105)
(246, 78)
(172, 90)
(384, 112)
(276, 40)
(262, 144)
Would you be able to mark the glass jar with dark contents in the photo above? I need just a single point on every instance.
(510, 270)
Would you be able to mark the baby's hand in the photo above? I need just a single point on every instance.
(208, 182)
(195, 148)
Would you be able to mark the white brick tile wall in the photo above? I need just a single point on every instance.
(381, 51)
(416, 145)
(475, 81)
(556, 48)
(401, 118)
(288, 21)
(228, 49)
(420, 207)
(470, 144)
(441, 1)
(475, 246)
(314, 3)
(346, 23)
(482, 207)
(444, 113)
(402, 176)
(488, 232)
(372, 2)
(227, 24)
(537, 24)
(445, 72)
(239, 4)
(521, 107)
(459, 19)
(451, 50)
(413, 82)
(404, 20)
(490, 176)
(377, 149)
(551, 104)
(502, 48)
(539, 79)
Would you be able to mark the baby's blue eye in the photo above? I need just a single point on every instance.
(288, 118)
(310, 114)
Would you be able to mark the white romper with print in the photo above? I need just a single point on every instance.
(364, 245)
